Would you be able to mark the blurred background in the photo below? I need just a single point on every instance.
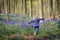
(43, 8)
(15, 15)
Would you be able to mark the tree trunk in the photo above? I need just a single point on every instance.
(5, 6)
(23, 6)
(58, 7)
(40, 8)
(15, 6)
(2, 6)
(12, 6)
(54, 8)
(49, 8)
(34, 7)
(20, 7)
(28, 7)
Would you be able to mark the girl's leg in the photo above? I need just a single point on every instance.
(36, 31)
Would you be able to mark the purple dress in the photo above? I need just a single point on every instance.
(35, 24)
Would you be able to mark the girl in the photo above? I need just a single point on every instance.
(35, 24)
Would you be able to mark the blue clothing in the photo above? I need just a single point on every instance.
(35, 22)
(37, 29)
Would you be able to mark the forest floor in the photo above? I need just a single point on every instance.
(29, 37)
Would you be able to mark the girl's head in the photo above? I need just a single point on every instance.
(35, 17)
(59, 16)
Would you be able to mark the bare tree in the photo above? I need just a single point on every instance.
(40, 8)
(54, 8)
(49, 8)
(23, 6)
(28, 7)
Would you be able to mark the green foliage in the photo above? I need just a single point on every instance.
(28, 31)
(3, 16)
(13, 29)
(8, 30)
(46, 29)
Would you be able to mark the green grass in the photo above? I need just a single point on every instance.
(14, 29)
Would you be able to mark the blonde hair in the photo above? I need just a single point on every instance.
(59, 15)
(35, 17)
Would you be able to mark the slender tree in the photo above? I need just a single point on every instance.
(23, 6)
(40, 8)
(54, 8)
(20, 6)
(28, 7)
(5, 6)
(49, 8)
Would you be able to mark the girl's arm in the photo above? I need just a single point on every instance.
(31, 21)
(41, 19)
